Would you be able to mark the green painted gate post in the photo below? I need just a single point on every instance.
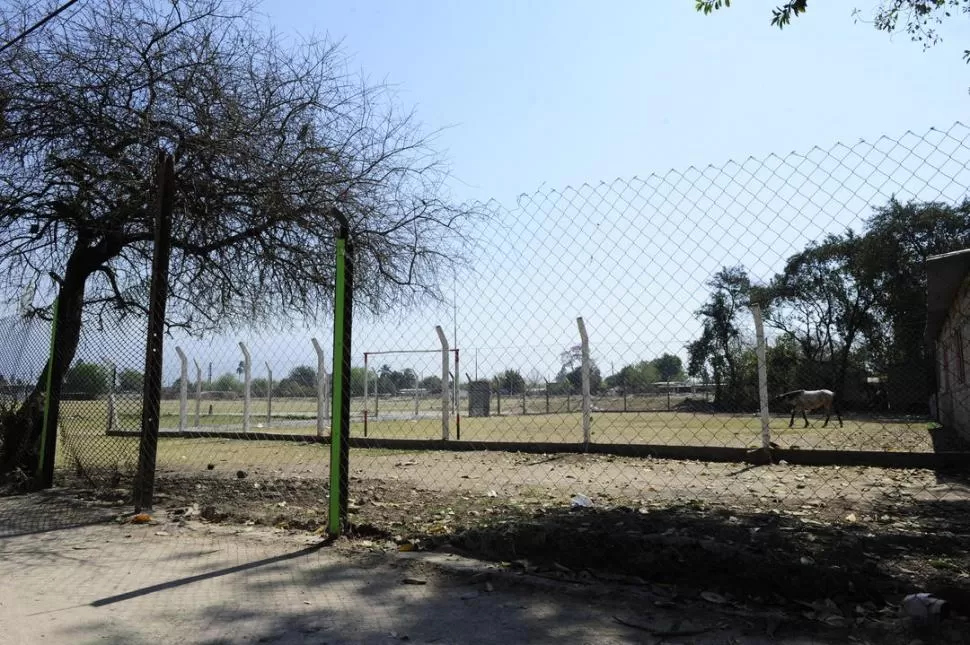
(340, 419)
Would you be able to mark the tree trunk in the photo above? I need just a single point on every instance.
(20, 433)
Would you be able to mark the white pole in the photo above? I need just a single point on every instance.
(366, 402)
(269, 395)
(183, 389)
(587, 418)
(247, 384)
(321, 387)
(112, 404)
(445, 394)
(198, 391)
(762, 376)
(415, 394)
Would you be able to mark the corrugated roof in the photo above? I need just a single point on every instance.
(944, 275)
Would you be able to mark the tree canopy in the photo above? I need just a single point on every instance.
(849, 306)
(918, 18)
(87, 381)
(266, 141)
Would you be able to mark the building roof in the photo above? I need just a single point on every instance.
(944, 275)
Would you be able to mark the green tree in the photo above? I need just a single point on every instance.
(782, 360)
(227, 383)
(432, 384)
(918, 18)
(669, 367)
(406, 379)
(259, 387)
(509, 382)
(721, 343)
(637, 377)
(575, 379)
(130, 380)
(823, 298)
(357, 381)
(899, 238)
(86, 381)
(304, 376)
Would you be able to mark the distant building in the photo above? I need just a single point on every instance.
(947, 334)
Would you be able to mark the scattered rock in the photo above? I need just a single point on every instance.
(211, 514)
(414, 581)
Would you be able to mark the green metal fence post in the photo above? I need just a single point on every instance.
(340, 419)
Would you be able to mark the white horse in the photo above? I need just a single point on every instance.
(809, 400)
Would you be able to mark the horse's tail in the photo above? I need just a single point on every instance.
(788, 395)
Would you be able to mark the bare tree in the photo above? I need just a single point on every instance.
(266, 141)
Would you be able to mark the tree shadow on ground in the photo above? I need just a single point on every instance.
(311, 597)
(775, 556)
(317, 595)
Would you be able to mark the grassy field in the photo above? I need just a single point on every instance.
(83, 442)
(669, 428)
(397, 420)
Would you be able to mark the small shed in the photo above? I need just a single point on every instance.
(479, 398)
(947, 334)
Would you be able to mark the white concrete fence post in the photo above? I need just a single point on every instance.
(587, 403)
(366, 401)
(445, 390)
(112, 403)
(183, 388)
(759, 331)
(323, 402)
(247, 384)
(269, 395)
(198, 392)
(416, 404)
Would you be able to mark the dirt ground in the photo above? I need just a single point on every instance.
(838, 547)
(80, 572)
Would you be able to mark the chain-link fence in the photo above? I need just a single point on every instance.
(600, 351)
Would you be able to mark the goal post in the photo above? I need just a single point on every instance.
(447, 406)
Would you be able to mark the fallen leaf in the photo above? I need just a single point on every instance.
(141, 518)
(414, 581)
(715, 598)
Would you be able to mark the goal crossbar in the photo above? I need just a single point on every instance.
(444, 350)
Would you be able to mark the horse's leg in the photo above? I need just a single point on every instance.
(805, 416)
(828, 415)
(792, 422)
(836, 408)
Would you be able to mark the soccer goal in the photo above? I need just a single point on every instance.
(412, 386)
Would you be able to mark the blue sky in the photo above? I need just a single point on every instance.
(543, 101)
(568, 92)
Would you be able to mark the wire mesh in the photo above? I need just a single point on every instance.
(662, 271)
(651, 265)
(593, 371)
